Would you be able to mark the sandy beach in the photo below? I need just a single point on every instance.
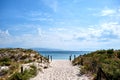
(61, 70)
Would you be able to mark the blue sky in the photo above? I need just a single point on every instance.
(60, 24)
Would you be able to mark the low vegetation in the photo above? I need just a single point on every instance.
(106, 60)
(26, 75)
(11, 60)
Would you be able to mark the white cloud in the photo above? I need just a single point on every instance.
(104, 33)
(108, 30)
(97, 36)
(4, 33)
(37, 16)
(40, 32)
(5, 38)
(107, 12)
(113, 27)
(57, 29)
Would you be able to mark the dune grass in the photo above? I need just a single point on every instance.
(26, 75)
(13, 58)
(108, 60)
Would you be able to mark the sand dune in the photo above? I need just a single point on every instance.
(60, 70)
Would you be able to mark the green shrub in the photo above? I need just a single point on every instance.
(3, 72)
(33, 70)
(24, 57)
(118, 54)
(82, 70)
(110, 51)
(108, 62)
(5, 61)
(14, 56)
(26, 75)
(101, 51)
(16, 76)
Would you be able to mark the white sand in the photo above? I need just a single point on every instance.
(60, 70)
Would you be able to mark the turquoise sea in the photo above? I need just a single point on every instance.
(62, 54)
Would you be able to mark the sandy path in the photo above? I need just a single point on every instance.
(60, 70)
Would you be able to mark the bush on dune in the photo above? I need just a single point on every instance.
(26, 75)
(108, 60)
(13, 58)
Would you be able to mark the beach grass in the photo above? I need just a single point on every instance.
(107, 60)
(11, 60)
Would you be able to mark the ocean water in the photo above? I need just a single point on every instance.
(62, 54)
